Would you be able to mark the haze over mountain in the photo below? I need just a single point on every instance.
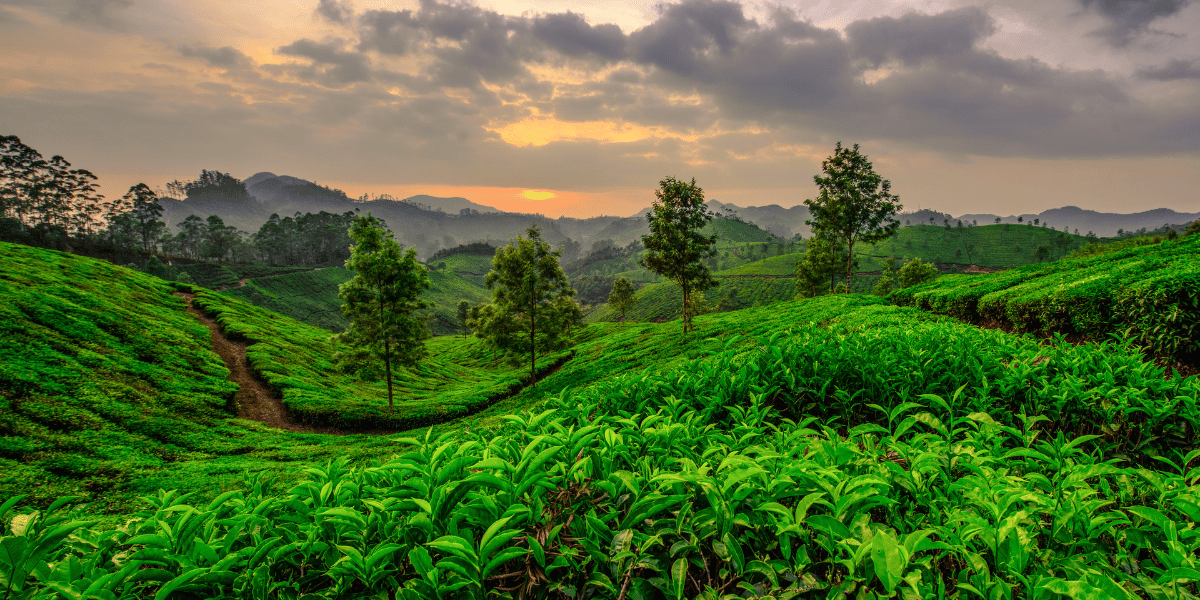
(431, 223)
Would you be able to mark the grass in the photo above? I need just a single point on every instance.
(840, 445)
(1147, 292)
(312, 296)
(110, 391)
(309, 296)
(997, 246)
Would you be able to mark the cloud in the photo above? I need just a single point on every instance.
(101, 14)
(570, 35)
(1127, 19)
(471, 44)
(226, 57)
(335, 11)
(331, 65)
(1174, 70)
(913, 38)
(679, 40)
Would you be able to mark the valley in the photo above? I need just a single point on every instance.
(838, 443)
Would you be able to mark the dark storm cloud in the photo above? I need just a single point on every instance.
(335, 11)
(331, 65)
(571, 35)
(471, 44)
(1127, 19)
(678, 40)
(226, 56)
(914, 38)
(1174, 70)
(931, 80)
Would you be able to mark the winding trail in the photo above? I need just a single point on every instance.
(256, 401)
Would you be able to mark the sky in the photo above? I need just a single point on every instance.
(580, 108)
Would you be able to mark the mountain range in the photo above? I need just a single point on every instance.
(431, 223)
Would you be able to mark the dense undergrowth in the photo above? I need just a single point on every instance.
(459, 377)
(110, 390)
(1148, 293)
(851, 447)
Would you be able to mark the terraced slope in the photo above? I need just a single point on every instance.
(887, 453)
(311, 296)
(1150, 294)
(110, 390)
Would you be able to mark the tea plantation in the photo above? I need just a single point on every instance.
(830, 448)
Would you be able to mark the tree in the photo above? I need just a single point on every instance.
(621, 297)
(464, 309)
(997, 220)
(822, 261)
(146, 212)
(219, 238)
(532, 306)
(855, 204)
(675, 247)
(380, 300)
(915, 271)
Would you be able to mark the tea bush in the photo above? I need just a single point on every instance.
(794, 466)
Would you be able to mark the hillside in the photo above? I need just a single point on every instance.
(111, 390)
(829, 445)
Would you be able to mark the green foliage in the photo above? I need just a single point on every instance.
(855, 204)
(532, 307)
(621, 297)
(1094, 294)
(463, 312)
(109, 390)
(823, 259)
(307, 296)
(890, 454)
(676, 248)
(915, 272)
(380, 300)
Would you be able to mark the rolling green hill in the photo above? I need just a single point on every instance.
(312, 296)
(836, 445)
(1150, 293)
(110, 391)
(997, 246)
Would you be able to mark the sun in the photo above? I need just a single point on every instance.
(538, 194)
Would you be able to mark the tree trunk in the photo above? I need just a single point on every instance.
(849, 261)
(387, 365)
(532, 348)
(387, 350)
(686, 317)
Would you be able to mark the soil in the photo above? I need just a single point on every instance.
(256, 401)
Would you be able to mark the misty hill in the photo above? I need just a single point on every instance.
(1102, 224)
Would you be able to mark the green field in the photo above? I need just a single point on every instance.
(1149, 293)
(996, 246)
(309, 296)
(312, 296)
(836, 447)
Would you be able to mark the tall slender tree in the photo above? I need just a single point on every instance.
(675, 247)
(380, 300)
(855, 204)
(530, 295)
(146, 212)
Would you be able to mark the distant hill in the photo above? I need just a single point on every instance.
(449, 205)
(1102, 224)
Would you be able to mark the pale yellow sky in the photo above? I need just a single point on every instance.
(1006, 107)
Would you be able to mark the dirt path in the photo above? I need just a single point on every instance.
(256, 402)
(254, 399)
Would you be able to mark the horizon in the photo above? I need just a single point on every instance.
(1005, 107)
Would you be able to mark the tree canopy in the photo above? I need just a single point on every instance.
(532, 304)
(855, 204)
(675, 247)
(380, 300)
